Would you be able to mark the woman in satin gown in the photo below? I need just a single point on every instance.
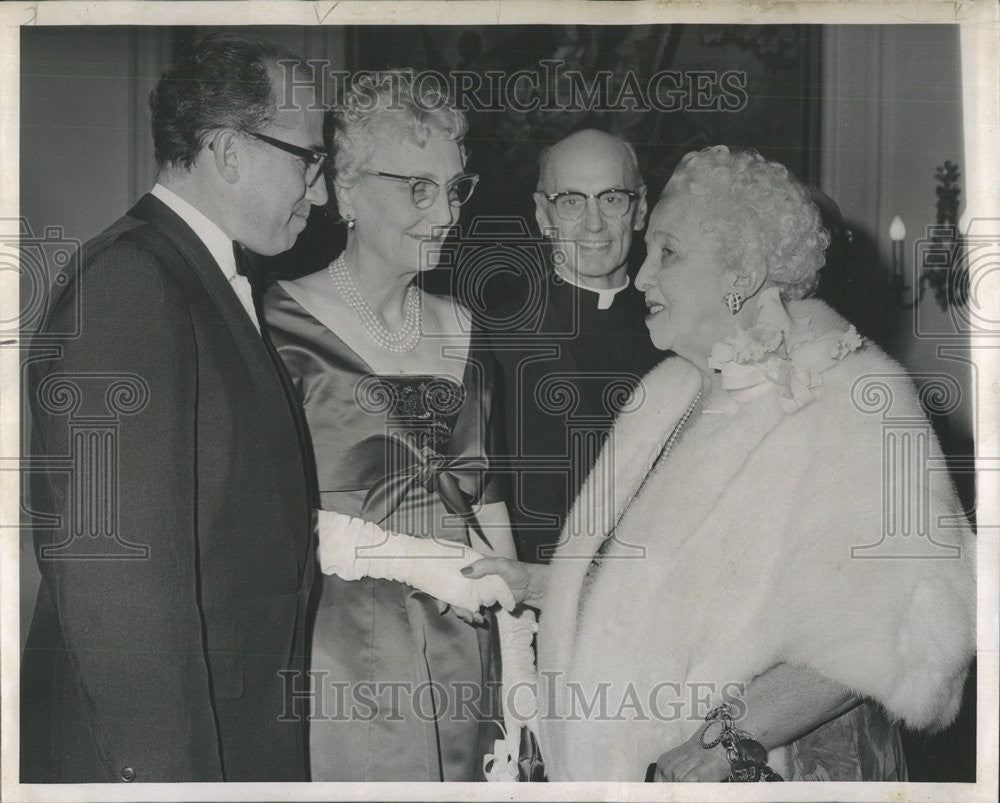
(398, 399)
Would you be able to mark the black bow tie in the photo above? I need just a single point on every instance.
(253, 276)
(242, 265)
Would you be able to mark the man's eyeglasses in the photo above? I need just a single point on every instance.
(612, 203)
(314, 160)
(424, 191)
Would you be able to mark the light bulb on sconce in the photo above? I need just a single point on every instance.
(897, 234)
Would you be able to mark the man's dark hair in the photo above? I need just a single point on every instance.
(222, 82)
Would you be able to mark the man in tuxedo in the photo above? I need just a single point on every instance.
(177, 553)
(578, 345)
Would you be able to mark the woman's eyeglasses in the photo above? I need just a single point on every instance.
(612, 203)
(424, 191)
(314, 160)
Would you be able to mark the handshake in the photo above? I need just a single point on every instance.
(352, 548)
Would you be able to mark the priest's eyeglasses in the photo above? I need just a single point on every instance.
(611, 203)
(424, 191)
(315, 161)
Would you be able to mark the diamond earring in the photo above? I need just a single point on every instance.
(734, 301)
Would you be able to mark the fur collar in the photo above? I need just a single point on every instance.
(644, 426)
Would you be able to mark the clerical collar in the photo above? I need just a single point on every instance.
(605, 298)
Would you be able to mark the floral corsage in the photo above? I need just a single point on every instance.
(779, 351)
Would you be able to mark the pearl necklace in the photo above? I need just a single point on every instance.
(401, 341)
(671, 440)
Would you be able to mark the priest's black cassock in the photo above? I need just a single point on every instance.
(570, 357)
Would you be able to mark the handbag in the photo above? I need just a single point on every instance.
(530, 766)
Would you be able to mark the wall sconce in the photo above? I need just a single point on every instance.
(897, 234)
(939, 257)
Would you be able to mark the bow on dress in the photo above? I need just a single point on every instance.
(457, 480)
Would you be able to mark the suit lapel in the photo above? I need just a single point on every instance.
(294, 402)
(274, 389)
(152, 210)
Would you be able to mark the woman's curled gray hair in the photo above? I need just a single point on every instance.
(398, 100)
(764, 218)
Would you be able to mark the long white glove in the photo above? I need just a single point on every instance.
(352, 548)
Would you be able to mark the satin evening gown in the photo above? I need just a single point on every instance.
(401, 688)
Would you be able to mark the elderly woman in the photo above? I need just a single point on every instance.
(399, 406)
(741, 555)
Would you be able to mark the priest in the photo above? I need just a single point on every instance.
(574, 347)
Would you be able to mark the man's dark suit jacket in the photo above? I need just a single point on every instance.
(160, 643)
(566, 370)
